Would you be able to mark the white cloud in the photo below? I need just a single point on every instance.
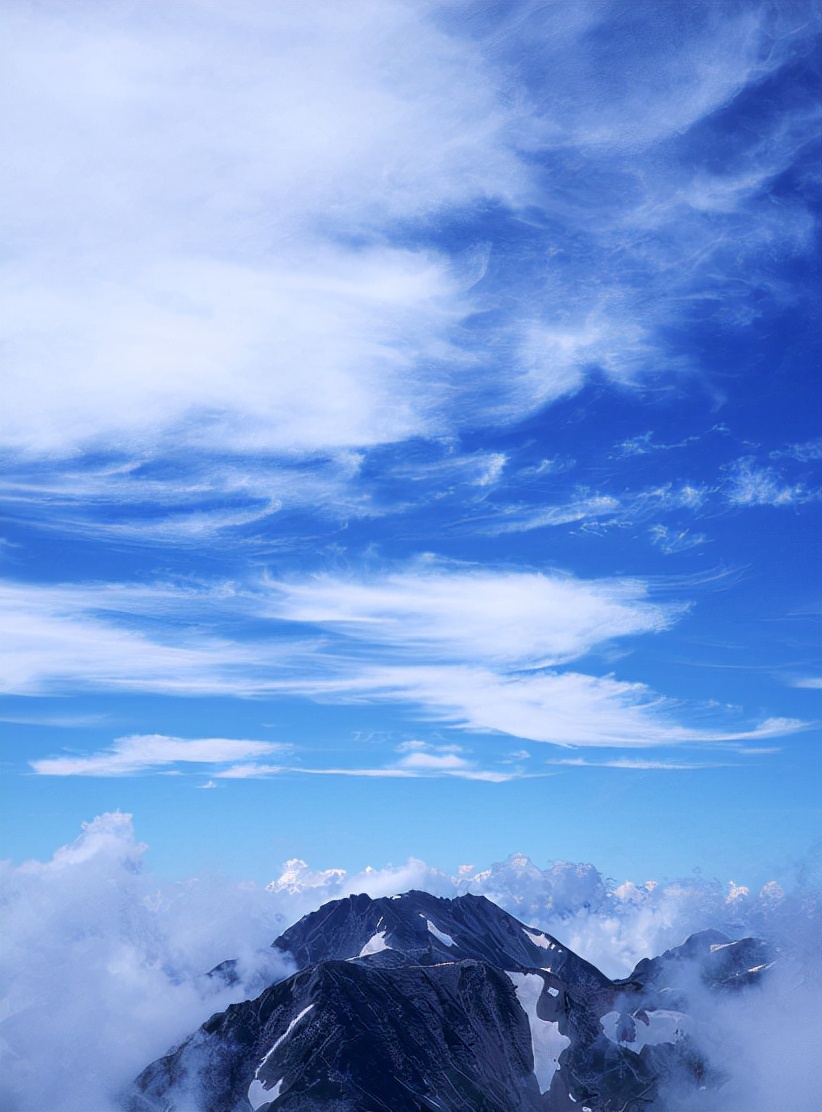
(592, 510)
(420, 760)
(64, 637)
(468, 647)
(190, 502)
(262, 772)
(638, 764)
(751, 485)
(561, 708)
(149, 752)
(256, 358)
(807, 451)
(670, 541)
(204, 202)
(94, 942)
(452, 614)
(250, 770)
(182, 190)
(654, 96)
(59, 721)
(434, 762)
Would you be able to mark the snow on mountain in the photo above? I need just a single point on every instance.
(479, 1014)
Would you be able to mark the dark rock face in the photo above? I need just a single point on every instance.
(418, 1003)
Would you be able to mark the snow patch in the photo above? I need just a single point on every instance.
(546, 1039)
(284, 1036)
(539, 939)
(258, 1095)
(441, 935)
(374, 945)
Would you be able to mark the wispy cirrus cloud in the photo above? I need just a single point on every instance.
(808, 450)
(561, 708)
(640, 764)
(240, 759)
(672, 540)
(417, 760)
(184, 499)
(750, 484)
(213, 266)
(591, 509)
(69, 637)
(476, 649)
(242, 285)
(142, 753)
(524, 619)
(741, 483)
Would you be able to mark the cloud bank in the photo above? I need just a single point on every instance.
(103, 964)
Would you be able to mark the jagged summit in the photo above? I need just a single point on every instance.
(415, 1002)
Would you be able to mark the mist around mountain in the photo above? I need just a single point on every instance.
(415, 1002)
(104, 965)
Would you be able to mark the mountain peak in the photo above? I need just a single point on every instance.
(415, 1003)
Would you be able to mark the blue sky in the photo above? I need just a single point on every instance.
(412, 432)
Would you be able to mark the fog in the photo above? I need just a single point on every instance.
(103, 964)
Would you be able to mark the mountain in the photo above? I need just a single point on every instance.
(414, 1003)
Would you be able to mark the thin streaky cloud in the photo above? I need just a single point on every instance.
(129, 756)
(467, 648)
(641, 765)
(389, 772)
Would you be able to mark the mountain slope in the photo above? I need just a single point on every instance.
(413, 1003)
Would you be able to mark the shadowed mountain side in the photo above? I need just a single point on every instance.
(413, 1003)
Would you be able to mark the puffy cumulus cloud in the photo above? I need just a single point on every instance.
(310, 888)
(103, 965)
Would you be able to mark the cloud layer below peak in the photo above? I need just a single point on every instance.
(94, 942)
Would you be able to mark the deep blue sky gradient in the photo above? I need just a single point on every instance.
(336, 332)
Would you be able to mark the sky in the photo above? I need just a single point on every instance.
(411, 433)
